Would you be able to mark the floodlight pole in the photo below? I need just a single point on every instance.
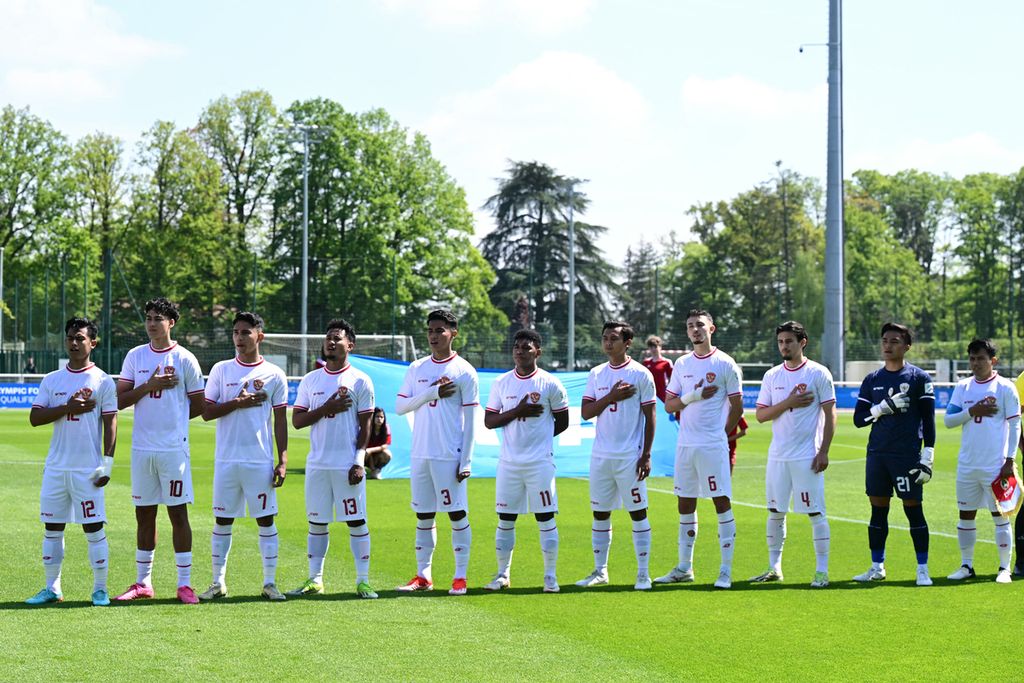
(571, 344)
(834, 351)
(303, 361)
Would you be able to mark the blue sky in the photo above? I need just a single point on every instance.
(659, 103)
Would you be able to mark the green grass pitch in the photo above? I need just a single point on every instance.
(788, 631)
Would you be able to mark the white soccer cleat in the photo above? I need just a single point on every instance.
(820, 580)
(270, 592)
(216, 591)
(643, 582)
(769, 576)
(873, 574)
(923, 579)
(499, 582)
(724, 580)
(1003, 576)
(964, 572)
(551, 584)
(677, 575)
(598, 577)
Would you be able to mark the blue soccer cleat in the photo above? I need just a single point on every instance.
(45, 596)
(100, 598)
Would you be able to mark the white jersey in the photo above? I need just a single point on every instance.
(77, 441)
(703, 422)
(797, 433)
(246, 434)
(530, 439)
(983, 440)
(620, 428)
(333, 437)
(161, 417)
(437, 425)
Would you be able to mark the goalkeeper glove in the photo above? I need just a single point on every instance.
(897, 403)
(923, 471)
(105, 468)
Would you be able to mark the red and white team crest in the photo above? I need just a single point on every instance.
(169, 370)
(535, 396)
(801, 388)
(342, 391)
(257, 384)
(85, 392)
(989, 400)
(1007, 494)
(710, 377)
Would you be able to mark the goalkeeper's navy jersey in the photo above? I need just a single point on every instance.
(898, 434)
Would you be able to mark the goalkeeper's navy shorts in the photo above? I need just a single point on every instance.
(891, 471)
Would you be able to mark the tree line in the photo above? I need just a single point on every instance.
(210, 214)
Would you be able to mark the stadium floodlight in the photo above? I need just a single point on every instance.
(309, 134)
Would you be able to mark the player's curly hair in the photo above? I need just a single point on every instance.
(529, 335)
(445, 316)
(793, 327)
(79, 323)
(343, 325)
(254, 319)
(162, 306)
(986, 345)
(901, 330)
(627, 330)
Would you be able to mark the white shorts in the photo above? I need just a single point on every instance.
(794, 479)
(702, 472)
(525, 487)
(238, 485)
(613, 485)
(974, 490)
(435, 487)
(330, 498)
(70, 497)
(161, 477)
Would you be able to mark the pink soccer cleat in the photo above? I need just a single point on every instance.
(187, 595)
(136, 591)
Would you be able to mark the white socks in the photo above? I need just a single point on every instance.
(144, 567)
(505, 543)
(99, 554)
(821, 534)
(775, 534)
(726, 538)
(359, 543)
(426, 539)
(967, 535)
(462, 537)
(601, 539)
(1004, 541)
(687, 539)
(549, 545)
(220, 546)
(53, 558)
(318, 540)
(183, 563)
(268, 549)
(642, 544)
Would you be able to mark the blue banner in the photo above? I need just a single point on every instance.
(17, 394)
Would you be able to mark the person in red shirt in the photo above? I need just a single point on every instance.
(377, 452)
(659, 366)
(737, 433)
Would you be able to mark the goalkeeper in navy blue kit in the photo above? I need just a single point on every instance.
(898, 402)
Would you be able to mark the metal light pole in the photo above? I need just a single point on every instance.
(571, 345)
(2, 249)
(305, 248)
(834, 343)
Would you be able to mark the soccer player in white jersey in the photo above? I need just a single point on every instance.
(81, 402)
(799, 399)
(988, 409)
(705, 388)
(336, 402)
(441, 390)
(620, 395)
(165, 384)
(531, 407)
(248, 396)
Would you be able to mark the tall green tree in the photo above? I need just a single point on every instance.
(641, 287)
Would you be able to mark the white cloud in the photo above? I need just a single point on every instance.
(746, 97)
(563, 109)
(540, 16)
(972, 153)
(67, 49)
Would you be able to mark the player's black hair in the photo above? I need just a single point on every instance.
(698, 313)
(79, 323)
(162, 306)
(986, 345)
(627, 330)
(529, 335)
(445, 316)
(793, 327)
(253, 319)
(902, 330)
(343, 325)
